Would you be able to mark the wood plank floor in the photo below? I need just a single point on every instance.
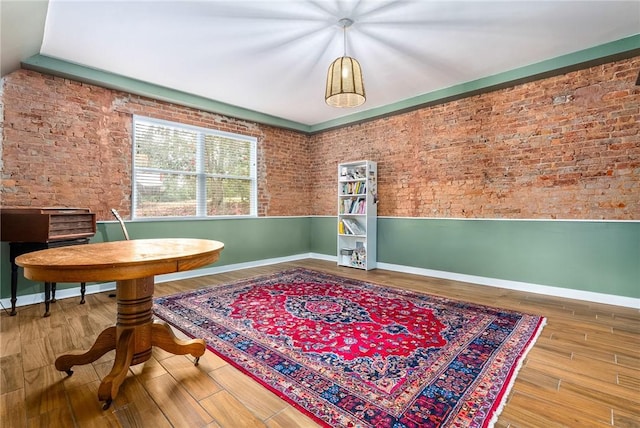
(584, 370)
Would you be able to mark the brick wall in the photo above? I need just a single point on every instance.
(563, 147)
(69, 144)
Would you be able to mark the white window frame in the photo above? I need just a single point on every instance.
(201, 176)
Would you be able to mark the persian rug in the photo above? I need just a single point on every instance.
(355, 354)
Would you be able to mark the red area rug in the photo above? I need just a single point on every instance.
(350, 353)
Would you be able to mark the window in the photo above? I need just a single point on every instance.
(187, 171)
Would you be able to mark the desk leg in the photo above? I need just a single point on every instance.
(14, 287)
(47, 298)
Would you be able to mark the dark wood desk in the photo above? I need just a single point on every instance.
(133, 264)
(29, 229)
(19, 248)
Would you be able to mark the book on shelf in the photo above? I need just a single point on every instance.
(353, 206)
(346, 205)
(354, 227)
(354, 188)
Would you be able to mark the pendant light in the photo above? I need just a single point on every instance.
(345, 87)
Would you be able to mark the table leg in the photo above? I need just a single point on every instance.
(133, 337)
(162, 336)
(124, 354)
(105, 342)
(133, 330)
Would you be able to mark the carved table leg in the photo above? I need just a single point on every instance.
(105, 342)
(124, 354)
(83, 289)
(162, 336)
(134, 326)
(133, 338)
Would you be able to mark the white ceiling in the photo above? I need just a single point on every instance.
(272, 56)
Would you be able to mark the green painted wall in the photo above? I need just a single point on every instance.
(323, 235)
(245, 240)
(602, 257)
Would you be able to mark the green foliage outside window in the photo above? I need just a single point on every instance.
(186, 171)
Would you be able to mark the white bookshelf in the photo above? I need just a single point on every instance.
(357, 214)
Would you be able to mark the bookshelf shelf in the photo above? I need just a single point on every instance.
(357, 213)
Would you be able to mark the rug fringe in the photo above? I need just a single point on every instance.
(507, 390)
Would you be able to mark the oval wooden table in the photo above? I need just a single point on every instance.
(133, 265)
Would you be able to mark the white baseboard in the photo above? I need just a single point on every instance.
(547, 290)
(589, 296)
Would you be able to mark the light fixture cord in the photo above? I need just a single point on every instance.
(344, 35)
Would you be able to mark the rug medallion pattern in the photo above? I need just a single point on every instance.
(350, 353)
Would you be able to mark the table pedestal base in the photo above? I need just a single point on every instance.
(133, 338)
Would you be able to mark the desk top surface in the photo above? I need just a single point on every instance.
(119, 260)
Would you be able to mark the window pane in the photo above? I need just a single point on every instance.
(227, 156)
(163, 147)
(189, 171)
(226, 196)
(165, 195)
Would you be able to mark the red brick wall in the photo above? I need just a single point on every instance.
(563, 147)
(69, 144)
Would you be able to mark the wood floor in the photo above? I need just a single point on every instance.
(584, 370)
